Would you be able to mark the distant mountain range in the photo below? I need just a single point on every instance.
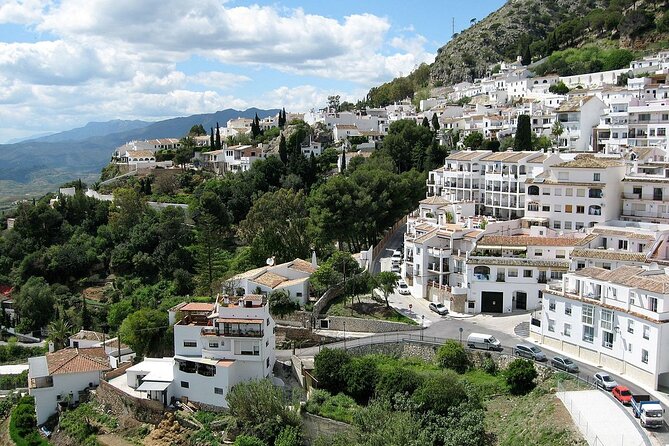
(82, 152)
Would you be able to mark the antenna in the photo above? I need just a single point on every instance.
(270, 261)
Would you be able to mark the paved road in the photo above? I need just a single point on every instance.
(394, 243)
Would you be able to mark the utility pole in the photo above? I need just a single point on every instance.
(452, 26)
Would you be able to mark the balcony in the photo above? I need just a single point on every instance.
(41, 382)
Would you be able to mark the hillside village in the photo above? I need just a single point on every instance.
(329, 277)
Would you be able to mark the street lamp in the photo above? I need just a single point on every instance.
(617, 330)
(422, 325)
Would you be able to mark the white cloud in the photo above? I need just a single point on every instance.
(218, 80)
(22, 11)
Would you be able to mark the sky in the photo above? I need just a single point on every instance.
(64, 63)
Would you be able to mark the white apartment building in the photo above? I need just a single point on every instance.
(60, 377)
(614, 318)
(509, 272)
(578, 116)
(232, 158)
(575, 194)
(649, 123)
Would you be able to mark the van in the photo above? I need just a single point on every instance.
(396, 258)
(484, 341)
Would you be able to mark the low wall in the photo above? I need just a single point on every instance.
(119, 402)
(118, 371)
(326, 298)
(367, 325)
(295, 319)
(405, 349)
(315, 426)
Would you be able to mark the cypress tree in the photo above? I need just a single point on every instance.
(283, 151)
(435, 122)
(523, 140)
(343, 160)
(218, 137)
(211, 139)
(426, 123)
(85, 315)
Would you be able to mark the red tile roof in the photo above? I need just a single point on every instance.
(77, 360)
(197, 306)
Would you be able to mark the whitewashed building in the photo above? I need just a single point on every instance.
(292, 277)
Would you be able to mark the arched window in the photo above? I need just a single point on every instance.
(533, 206)
(481, 272)
(533, 190)
(595, 193)
(522, 170)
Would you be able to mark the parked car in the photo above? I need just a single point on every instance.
(530, 352)
(604, 381)
(395, 269)
(403, 288)
(565, 364)
(484, 341)
(622, 394)
(396, 257)
(439, 308)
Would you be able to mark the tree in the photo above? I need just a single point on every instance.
(426, 122)
(526, 55)
(440, 392)
(289, 436)
(255, 127)
(557, 130)
(143, 330)
(520, 375)
(34, 304)
(343, 160)
(397, 380)
(329, 369)
(387, 281)
(280, 303)
(248, 440)
(59, 333)
(452, 355)
(218, 137)
(542, 142)
(473, 140)
(212, 141)
(283, 151)
(261, 409)
(118, 312)
(333, 103)
(361, 376)
(523, 139)
(197, 130)
(559, 88)
(435, 122)
(128, 208)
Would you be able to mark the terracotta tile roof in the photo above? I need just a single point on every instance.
(140, 153)
(631, 233)
(302, 265)
(587, 161)
(522, 240)
(573, 104)
(507, 156)
(77, 360)
(628, 179)
(425, 237)
(292, 282)
(270, 279)
(466, 155)
(473, 233)
(198, 306)
(88, 335)
(605, 254)
(631, 276)
(518, 261)
(436, 199)
(346, 127)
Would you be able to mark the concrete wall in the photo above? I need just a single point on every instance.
(121, 403)
(367, 325)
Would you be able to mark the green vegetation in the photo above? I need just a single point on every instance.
(83, 423)
(23, 424)
(13, 353)
(588, 59)
(11, 382)
(339, 407)
(398, 89)
(520, 376)
(452, 355)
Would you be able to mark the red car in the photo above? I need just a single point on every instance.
(622, 394)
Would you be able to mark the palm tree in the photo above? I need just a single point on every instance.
(59, 332)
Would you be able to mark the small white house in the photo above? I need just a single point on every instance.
(60, 377)
(292, 277)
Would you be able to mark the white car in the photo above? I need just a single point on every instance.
(396, 258)
(403, 288)
(395, 269)
(604, 381)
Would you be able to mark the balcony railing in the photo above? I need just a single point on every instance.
(41, 382)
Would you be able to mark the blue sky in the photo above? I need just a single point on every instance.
(64, 63)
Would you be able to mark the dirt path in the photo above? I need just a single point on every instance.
(113, 440)
(5, 439)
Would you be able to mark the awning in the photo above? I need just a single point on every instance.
(153, 386)
(239, 321)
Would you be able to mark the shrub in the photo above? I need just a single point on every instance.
(559, 88)
(289, 436)
(361, 377)
(520, 375)
(23, 422)
(440, 392)
(329, 367)
(395, 381)
(489, 366)
(452, 355)
(247, 440)
(339, 407)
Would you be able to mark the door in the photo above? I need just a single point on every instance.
(521, 300)
(491, 301)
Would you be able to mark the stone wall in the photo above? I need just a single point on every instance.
(367, 325)
(295, 319)
(120, 370)
(286, 337)
(119, 402)
(405, 349)
(315, 426)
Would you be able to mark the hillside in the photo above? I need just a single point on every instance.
(36, 166)
(91, 130)
(542, 27)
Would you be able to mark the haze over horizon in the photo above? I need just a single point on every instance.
(64, 63)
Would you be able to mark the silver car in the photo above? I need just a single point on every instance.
(530, 352)
(604, 381)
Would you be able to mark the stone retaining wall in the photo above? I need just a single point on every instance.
(119, 402)
(315, 426)
(367, 325)
(118, 371)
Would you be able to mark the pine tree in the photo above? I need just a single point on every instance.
(527, 55)
(211, 139)
(523, 140)
(435, 122)
(426, 123)
(283, 150)
(218, 137)
(283, 118)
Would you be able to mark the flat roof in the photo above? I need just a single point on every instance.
(153, 385)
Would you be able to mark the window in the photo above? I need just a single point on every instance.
(646, 332)
(580, 192)
(560, 254)
(267, 362)
(580, 265)
(567, 208)
(538, 252)
(527, 273)
(557, 224)
(532, 207)
(569, 192)
(607, 339)
(557, 208)
(630, 326)
(213, 345)
(190, 344)
(551, 305)
(588, 333)
(622, 244)
(567, 224)
(471, 304)
(513, 273)
(596, 177)
(567, 309)
(558, 192)
(567, 330)
(606, 321)
(218, 391)
(546, 208)
(185, 384)
(588, 314)
(533, 190)
(546, 191)
(644, 356)
(652, 304)
(580, 209)
(551, 325)
(578, 225)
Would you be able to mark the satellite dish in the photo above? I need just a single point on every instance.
(270, 261)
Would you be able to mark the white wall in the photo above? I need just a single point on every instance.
(46, 398)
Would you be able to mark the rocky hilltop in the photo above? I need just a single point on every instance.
(544, 26)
